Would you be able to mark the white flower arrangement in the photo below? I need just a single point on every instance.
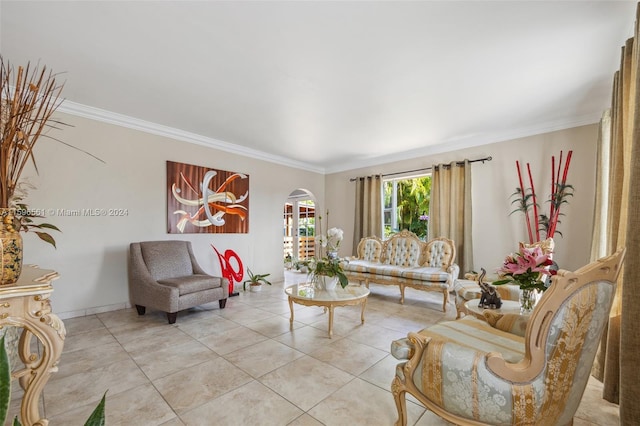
(331, 241)
(328, 263)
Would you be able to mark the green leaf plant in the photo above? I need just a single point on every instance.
(97, 418)
(24, 216)
(255, 279)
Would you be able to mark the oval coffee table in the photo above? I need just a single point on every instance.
(305, 294)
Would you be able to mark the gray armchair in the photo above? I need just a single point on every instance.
(165, 275)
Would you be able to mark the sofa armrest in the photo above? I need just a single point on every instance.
(454, 271)
(402, 349)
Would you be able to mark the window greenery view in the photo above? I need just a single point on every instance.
(406, 205)
(306, 219)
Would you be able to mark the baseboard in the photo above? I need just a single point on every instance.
(93, 311)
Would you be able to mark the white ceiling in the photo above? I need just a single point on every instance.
(328, 86)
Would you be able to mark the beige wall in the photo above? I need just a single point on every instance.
(92, 251)
(495, 233)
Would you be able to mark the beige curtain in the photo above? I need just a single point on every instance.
(600, 215)
(450, 209)
(368, 212)
(619, 355)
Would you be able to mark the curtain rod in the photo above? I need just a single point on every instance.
(459, 163)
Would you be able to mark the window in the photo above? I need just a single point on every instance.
(406, 205)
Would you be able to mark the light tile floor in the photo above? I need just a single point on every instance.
(242, 365)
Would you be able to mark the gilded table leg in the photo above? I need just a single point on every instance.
(26, 304)
(364, 304)
(459, 302)
(291, 309)
(50, 331)
(331, 321)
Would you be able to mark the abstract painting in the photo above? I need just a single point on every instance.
(202, 200)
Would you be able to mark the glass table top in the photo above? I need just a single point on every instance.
(308, 292)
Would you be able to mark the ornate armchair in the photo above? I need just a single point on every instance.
(165, 275)
(470, 373)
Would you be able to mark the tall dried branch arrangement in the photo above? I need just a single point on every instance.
(526, 201)
(28, 98)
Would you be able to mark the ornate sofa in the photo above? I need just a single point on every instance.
(406, 261)
(472, 372)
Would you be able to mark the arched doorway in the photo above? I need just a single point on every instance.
(299, 225)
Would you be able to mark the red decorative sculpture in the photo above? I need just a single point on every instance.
(227, 268)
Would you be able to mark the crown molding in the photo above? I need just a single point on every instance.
(92, 113)
(450, 145)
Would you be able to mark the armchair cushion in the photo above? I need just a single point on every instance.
(511, 323)
(192, 283)
(469, 332)
(427, 273)
(357, 265)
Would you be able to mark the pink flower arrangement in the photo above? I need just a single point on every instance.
(526, 268)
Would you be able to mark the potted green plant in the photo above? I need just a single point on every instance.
(301, 265)
(326, 273)
(255, 281)
(326, 270)
(24, 216)
(288, 261)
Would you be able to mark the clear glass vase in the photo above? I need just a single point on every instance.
(528, 300)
